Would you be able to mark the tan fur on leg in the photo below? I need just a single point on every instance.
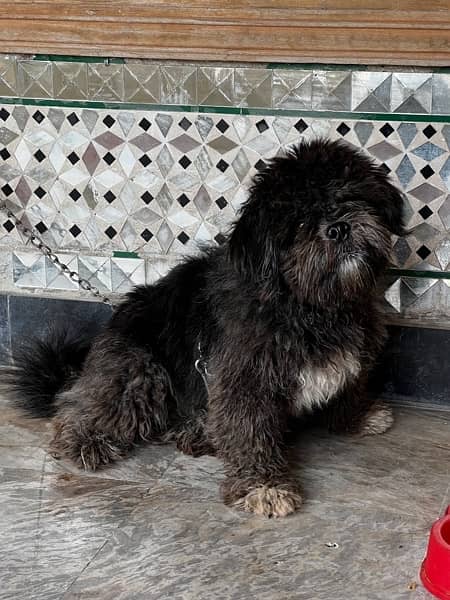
(270, 501)
(378, 420)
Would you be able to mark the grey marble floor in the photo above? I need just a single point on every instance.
(154, 528)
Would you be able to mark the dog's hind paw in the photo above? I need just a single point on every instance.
(88, 451)
(98, 452)
(378, 420)
(267, 501)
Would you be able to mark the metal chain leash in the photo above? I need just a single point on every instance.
(36, 240)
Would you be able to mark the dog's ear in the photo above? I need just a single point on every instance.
(392, 207)
(252, 247)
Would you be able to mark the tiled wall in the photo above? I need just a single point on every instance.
(123, 168)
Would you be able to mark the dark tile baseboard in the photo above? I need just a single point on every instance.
(414, 368)
(23, 317)
(5, 338)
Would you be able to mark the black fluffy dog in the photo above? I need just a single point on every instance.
(284, 314)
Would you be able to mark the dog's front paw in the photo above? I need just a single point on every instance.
(378, 420)
(270, 501)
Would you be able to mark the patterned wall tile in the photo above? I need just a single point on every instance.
(441, 94)
(178, 84)
(414, 297)
(70, 80)
(215, 86)
(227, 86)
(106, 82)
(142, 83)
(411, 92)
(57, 280)
(125, 273)
(332, 90)
(35, 79)
(252, 87)
(292, 89)
(159, 183)
(8, 77)
(371, 91)
(96, 270)
(29, 270)
(418, 297)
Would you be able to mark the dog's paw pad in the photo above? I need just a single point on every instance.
(378, 420)
(270, 501)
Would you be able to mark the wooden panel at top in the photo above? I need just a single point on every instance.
(342, 31)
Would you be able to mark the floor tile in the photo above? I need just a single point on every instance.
(154, 526)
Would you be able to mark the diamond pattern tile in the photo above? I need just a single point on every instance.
(363, 131)
(405, 171)
(97, 181)
(407, 132)
(444, 213)
(428, 151)
(185, 143)
(384, 151)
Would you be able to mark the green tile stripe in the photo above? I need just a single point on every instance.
(78, 59)
(271, 66)
(354, 67)
(227, 110)
(419, 274)
(104, 105)
(355, 116)
(123, 254)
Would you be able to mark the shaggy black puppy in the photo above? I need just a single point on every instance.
(282, 319)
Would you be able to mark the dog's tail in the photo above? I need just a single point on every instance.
(44, 367)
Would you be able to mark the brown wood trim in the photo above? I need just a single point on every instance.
(235, 30)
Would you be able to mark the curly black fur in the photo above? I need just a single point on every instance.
(43, 367)
(285, 311)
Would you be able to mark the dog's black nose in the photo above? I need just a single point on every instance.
(338, 231)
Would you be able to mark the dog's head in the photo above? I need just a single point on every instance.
(318, 220)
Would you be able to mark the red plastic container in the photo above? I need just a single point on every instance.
(435, 571)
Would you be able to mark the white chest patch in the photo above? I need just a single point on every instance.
(317, 385)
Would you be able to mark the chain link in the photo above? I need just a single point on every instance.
(38, 243)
